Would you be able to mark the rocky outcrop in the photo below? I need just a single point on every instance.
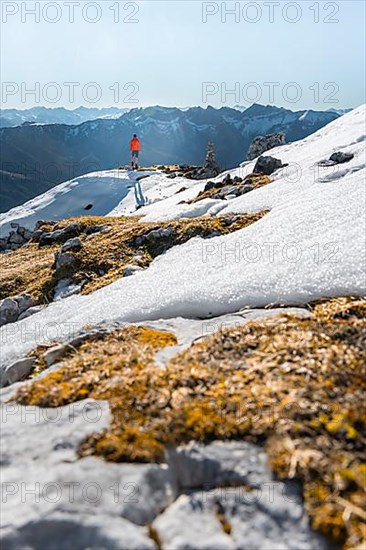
(220, 495)
(210, 169)
(20, 369)
(261, 144)
(60, 236)
(230, 188)
(68, 236)
(18, 237)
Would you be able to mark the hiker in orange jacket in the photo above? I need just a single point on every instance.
(135, 148)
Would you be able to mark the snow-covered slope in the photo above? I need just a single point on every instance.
(346, 134)
(311, 244)
(97, 194)
(114, 193)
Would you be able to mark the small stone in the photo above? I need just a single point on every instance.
(340, 158)
(29, 312)
(60, 235)
(72, 245)
(153, 235)
(24, 302)
(9, 311)
(55, 354)
(94, 230)
(231, 190)
(47, 239)
(64, 260)
(36, 236)
(209, 185)
(156, 234)
(15, 238)
(166, 233)
(94, 334)
(16, 371)
(267, 165)
(14, 225)
(70, 231)
(246, 188)
(41, 223)
(131, 270)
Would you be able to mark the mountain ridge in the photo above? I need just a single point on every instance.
(36, 158)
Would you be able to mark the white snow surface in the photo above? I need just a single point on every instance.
(310, 245)
(103, 191)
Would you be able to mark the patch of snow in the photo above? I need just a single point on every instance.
(65, 288)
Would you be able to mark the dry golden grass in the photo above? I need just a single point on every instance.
(118, 368)
(296, 385)
(103, 257)
(27, 270)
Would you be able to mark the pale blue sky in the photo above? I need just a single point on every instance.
(170, 53)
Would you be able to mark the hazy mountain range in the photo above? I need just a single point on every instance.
(37, 157)
(59, 115)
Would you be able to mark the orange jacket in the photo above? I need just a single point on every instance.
(135, 144)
